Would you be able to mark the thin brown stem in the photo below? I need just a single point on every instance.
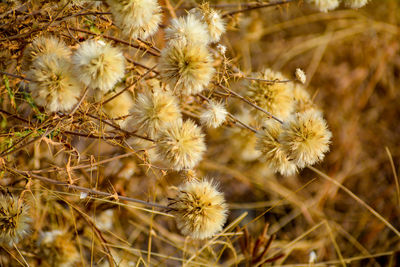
(119, 129)
(129, 86)
(117, 40)
(249, 103)
(249, 8)
(232, 117)
(15, 76)
(29, 174)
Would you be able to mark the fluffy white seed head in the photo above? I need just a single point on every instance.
(98, 65)
(14, 220)
(324, 5)
(214, 115)
(181, 145)
(356, 3)
(272, 152)
(213, 19)
(305, 138)
(187, 68)
(188, 29)
(136, 18)
(275, 97)
(44, 46)
(53, 84)
(200, 209)
(153, 111)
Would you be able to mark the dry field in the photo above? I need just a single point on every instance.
(182, 133)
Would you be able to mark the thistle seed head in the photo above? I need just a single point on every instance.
(187, 68)
(181, 145)
(305, 138)
(199, 209)
(14, 220)
(98, 65)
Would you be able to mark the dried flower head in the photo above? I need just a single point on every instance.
(214, 115)
(275, 97)
(153, 110)
(199, 209)
(98, 65)
(14, 220)
(43, 46)
(212, 18)
(324, 5)
(300, 75)
(136, 18)
(119, 107)
(53, 84)
(272, 151)
(187, 68)
(187, 29)
(356, 3)
(181, 144)
(58, 249)
(305, 138)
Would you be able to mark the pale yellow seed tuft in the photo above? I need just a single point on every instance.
(324, 5)
(53, 84)
(213, 19)
(187, 68)
(305, 138)
(214, 115)
(181, 145)
(98, 65)
(272, 152)
(187, 29)
(300, 75)
(136, 18)
(153, 111)
(199, 209)
(43, 46)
